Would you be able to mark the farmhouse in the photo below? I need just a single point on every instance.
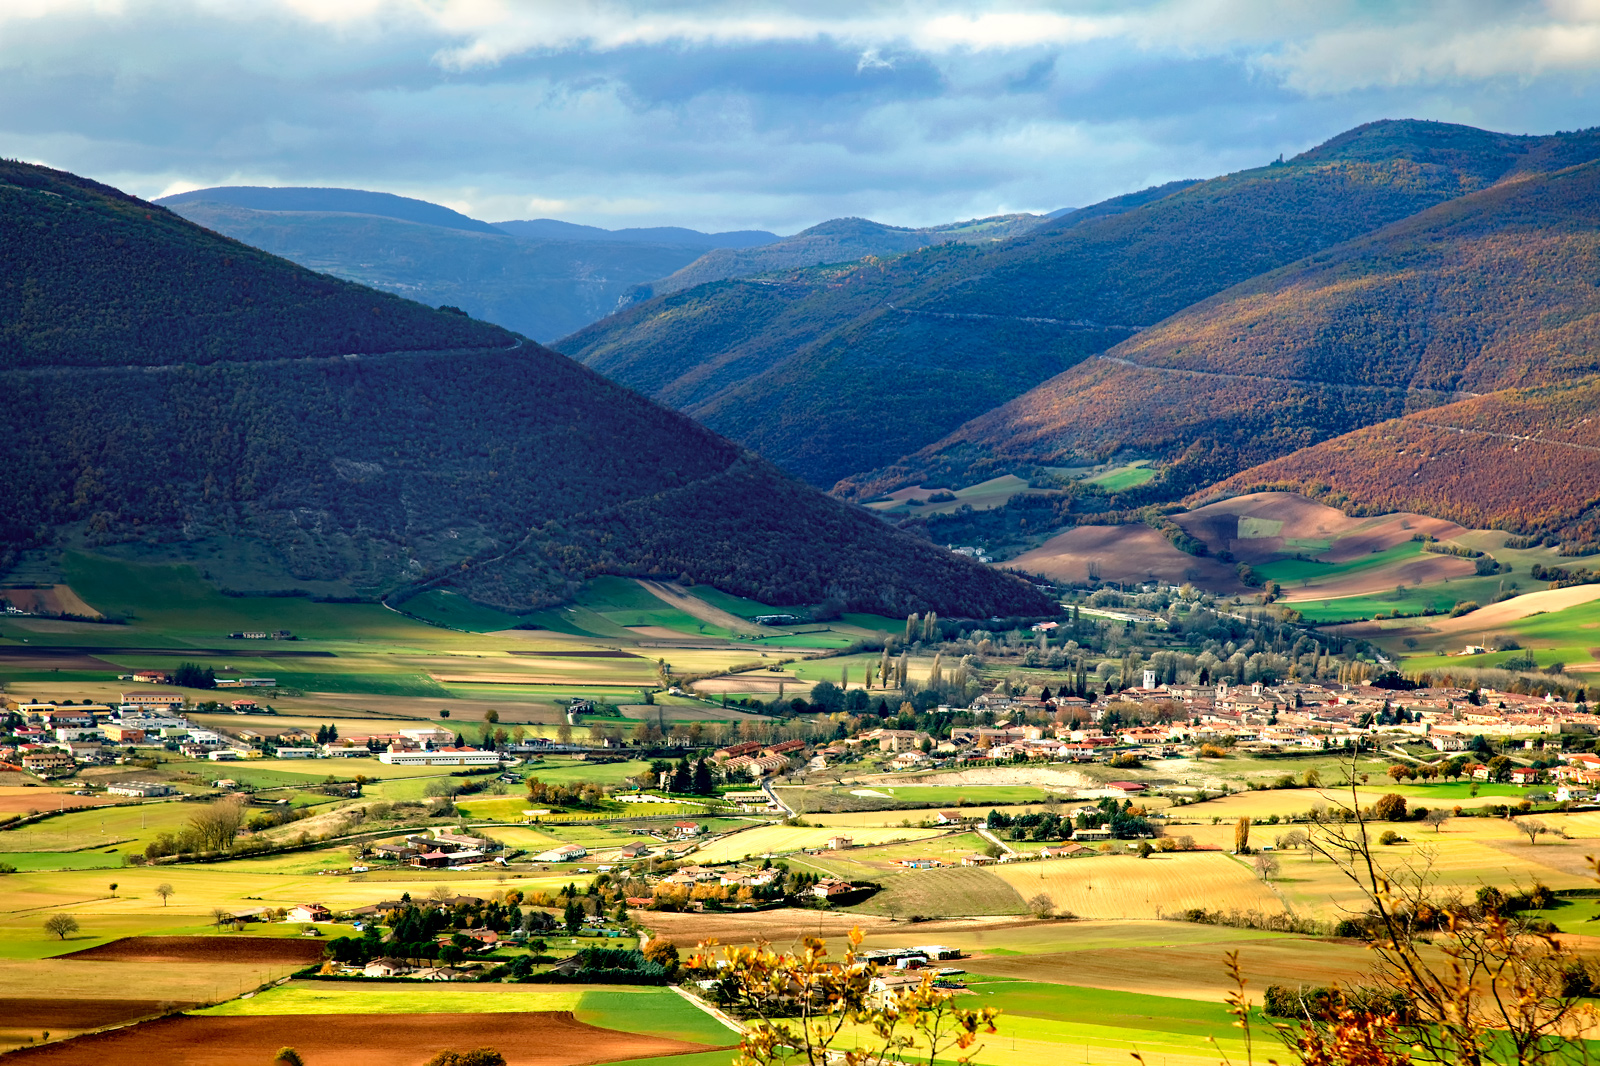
(310, 912)
(565, 853)
(386, 967)
(687, 829)
(830, 887)
(948, 818)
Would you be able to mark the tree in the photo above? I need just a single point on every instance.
(1241, 836)
(1266, 867)
(215, 826)
(1390, 808)
(1532, 828)
(1455, 983)
(483, 1056)
(1312, 779)
(61, 925)
(287, 1056)
(441, 893)
(219, 916)
(702, 779)
(664, 953)
(491, 716)
(1436, 818)
(797, 1006)
(164, 890)
(1397, 773)
(572, 916)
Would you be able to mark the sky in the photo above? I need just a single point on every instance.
(757, 115)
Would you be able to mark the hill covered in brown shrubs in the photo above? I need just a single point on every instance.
(834, 372)
(1493, 290)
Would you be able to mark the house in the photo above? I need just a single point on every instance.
(1525, 775)
(1572, 792)
(152, 677)
(1131, 788)
(386, 967)
(1097, 833)
(978, 860)
(898, 740)
(565, 853)
(310, 912)
(634, 851)
(46, 761)
(829, 887)
(1063, 851)
(948, 818)
(433, 859)
(244, 706)
(687, 829)
(839, 843)
(887, 989)
(910, 758)
(148, 700)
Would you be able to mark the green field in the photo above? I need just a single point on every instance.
(1570, 636)
(1123, 477)
(634, 1010)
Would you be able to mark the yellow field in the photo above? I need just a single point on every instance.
(1128, 887)
(776, 839)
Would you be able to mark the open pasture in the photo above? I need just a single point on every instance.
(1127, 887)
(779, 839)
(19, 799)
(980, 497)
(531, 1039)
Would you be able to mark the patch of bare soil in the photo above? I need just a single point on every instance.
(536, 1038)
(1262, 525)
(190, 949)
(1042, 777)
(1124, 553)
(59, 1014)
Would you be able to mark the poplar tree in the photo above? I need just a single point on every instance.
(911, 627)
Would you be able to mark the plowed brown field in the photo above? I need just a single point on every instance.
(191, 949)
(545, 1038)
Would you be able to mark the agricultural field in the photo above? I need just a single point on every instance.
(779, 840)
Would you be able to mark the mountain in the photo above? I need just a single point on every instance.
(1526, 460)
(838, 241)
(834, 372)
(185, 392)
(329, 202)
(540, 288)
(551, 229)
(1489, 291)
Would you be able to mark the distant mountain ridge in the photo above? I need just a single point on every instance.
(329, 201)
(838, 240)
(837, 373)
(184, 390)
(555, 230)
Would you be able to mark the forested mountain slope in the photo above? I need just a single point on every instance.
(839, 240)
(1493, 290)
(325, 202)
(540, 287)
(849, 372)
(1527, 460)
(179, 387)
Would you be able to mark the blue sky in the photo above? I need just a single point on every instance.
(757, 115)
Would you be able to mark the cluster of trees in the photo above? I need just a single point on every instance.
(554, 794)
(192, 675)
(1126, 822)
(212, 828)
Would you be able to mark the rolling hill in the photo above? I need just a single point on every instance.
(183, 390)
(1489, 291)
(837, 241)
(542, 287)
(833, 373)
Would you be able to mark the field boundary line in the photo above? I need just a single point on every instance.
(719, 1015)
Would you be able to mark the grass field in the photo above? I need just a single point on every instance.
(1127, 887)
(778, 840)
(1123, 477)
(942, 892)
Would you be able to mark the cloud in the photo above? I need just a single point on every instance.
(764, 114)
